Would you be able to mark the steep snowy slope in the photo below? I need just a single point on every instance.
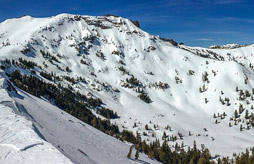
(194, 92)
(78, 141)
(30, 125)
(20, 141)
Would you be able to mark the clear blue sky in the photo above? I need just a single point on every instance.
(193, 22)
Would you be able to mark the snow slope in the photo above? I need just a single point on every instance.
(77, 140)
(33, 130)
(106, 50)
(20, 141)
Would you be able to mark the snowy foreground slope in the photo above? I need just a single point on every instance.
(19, 140)
(194, 91)
(32, 130)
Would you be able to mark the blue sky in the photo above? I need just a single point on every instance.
(193, 22)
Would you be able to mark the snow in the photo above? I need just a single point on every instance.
(181, 106)
(77, 140)
(20, 141)
(34, 130)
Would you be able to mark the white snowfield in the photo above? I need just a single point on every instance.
(20, 142)
(187, 85)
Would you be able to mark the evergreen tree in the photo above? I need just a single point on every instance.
(201, 161)
(219, 161)
(129, 154)
(67, 69)
(236, 114)
(94, 122)
(192, 161)
(137, 154)
(246, 114)
(164, 136)
(146, 127)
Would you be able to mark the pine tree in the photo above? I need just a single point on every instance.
(67, 69)
(129, 154)
(137, 154)
(182, 145)
(236, 114)
(164, 136)
(94, 122)
(144, 147)
(151, 154)
(201, 161)
(194, 145)
(192, 161)
(246, 114)
(146, 127)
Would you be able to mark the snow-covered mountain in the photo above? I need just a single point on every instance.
(154, 85)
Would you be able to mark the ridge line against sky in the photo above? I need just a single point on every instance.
(193, 22)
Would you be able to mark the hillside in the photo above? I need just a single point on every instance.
(34, 130)
(190, 93)
(20, 140)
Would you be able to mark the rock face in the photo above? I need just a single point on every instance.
(228, 46)
(170, 41)
(136, 23)
(147, 80)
